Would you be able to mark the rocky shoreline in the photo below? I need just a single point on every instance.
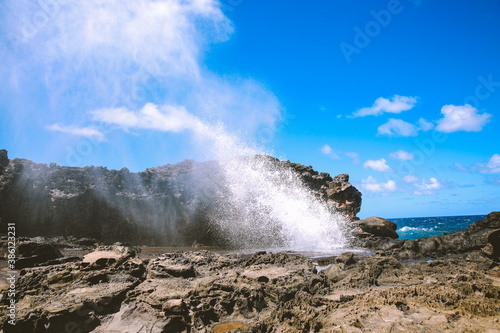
(74, 285)
(70, 279)
(168, 205)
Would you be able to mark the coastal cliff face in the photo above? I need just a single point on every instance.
(167, 205)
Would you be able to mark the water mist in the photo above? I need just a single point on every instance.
(264, 203)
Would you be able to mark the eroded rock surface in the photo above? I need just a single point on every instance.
(113, 289)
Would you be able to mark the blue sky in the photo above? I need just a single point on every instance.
(402, 95)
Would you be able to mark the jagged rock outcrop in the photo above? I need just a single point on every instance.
(167, 205)
(337, 191)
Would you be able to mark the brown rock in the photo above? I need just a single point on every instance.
(379, 227)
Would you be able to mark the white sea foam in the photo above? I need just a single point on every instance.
(406, 228)
(266, 204)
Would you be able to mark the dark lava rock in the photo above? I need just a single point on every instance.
(494, 241)
(33, 253)
(4, 158)
(86, 241)
(379, 227)
(171, 205)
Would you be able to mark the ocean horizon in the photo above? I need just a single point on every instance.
(418, 227)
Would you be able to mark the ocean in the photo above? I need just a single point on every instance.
(416, 227)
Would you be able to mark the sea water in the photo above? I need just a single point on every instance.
(417, 227)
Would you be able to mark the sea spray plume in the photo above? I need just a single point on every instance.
(257, 202)
(265, 204)
(98, 48)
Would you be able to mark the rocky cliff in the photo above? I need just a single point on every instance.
(167, 205)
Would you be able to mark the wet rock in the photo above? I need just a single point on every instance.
(347, 258)
(34, 253)
(379, 227)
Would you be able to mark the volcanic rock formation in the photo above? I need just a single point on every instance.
(167, 205)
(117, 289)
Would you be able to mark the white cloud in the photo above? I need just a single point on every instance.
(425, 125)
(398, 127)
(377, 165)
(119, 55)
(372, 185)
(401, 155)
(396, 104)
(460, 167)
(166, 119)
(427, 187)
(89, 131)
(462, 118)
(162, 36)
(493, 165)
(327, 150)
(410, 179)
(354, 156)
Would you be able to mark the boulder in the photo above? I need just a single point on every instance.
(379, 227)
(33, 253)
(346, 258)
